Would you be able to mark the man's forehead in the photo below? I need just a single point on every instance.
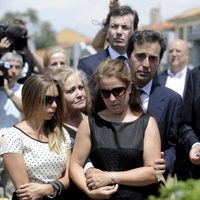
(15, 63)
(125, 19)
(149, 48)
(146, 46)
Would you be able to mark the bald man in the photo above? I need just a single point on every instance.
(176, 75)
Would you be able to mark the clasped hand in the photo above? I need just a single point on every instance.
(99, 184)
(195, 155)
(96, 178)
(31, 191)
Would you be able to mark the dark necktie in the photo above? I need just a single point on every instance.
(141, 91)
(123, 58)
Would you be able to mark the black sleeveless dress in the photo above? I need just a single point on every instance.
(119, 147)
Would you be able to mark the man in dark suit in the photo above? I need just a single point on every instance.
(119, 25)
(176, 75)
(189, 136)
(145, 50)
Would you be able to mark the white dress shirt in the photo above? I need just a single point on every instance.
(9, 114)
(144, 97)
(176, 81)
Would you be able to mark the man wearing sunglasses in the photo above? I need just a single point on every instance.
(120, 23)
(145, 51)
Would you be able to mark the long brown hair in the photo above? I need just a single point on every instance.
(118, 69)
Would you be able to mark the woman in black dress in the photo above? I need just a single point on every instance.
(119, 137)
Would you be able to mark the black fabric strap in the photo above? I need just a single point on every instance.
(58, 186)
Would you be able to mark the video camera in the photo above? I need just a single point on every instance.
(17, 35)
(4, 66)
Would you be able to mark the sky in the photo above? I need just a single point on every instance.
(85, 16)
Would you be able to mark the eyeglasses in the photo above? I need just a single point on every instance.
(142, 57)
(117, 92)
(50, 99)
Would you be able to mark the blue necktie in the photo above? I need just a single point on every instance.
(123, 58)
(142, 91)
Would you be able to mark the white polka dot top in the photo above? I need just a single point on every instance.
(42, 164)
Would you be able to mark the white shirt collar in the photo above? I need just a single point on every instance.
(178, 74)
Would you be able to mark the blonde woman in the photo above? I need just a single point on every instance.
(56, 57)
(36, 151)
(77, 99)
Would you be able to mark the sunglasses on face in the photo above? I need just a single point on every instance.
(117, 92)
(142, 57)
(50, 99)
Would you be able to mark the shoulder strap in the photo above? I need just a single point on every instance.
(145, 117)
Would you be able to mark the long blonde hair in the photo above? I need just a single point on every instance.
(62, 74)
(33, 102)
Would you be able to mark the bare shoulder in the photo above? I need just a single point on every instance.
(84, 121)
(152, 125)
(84, 126)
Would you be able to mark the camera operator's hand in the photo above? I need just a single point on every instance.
(4, 43)
(10, 94)
(6, 88)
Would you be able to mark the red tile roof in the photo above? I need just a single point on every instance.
(160, 27)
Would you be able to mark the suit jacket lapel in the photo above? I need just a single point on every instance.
(104, 55)
(186, 79)
(156, 100)
(163, 78)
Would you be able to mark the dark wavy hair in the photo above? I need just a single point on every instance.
(121, 11)
(146, 37)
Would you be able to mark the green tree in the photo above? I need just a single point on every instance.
(46, 36)
(8, 16)
(32, 15)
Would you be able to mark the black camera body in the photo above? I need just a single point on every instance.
(4, 67)
(17, 35)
